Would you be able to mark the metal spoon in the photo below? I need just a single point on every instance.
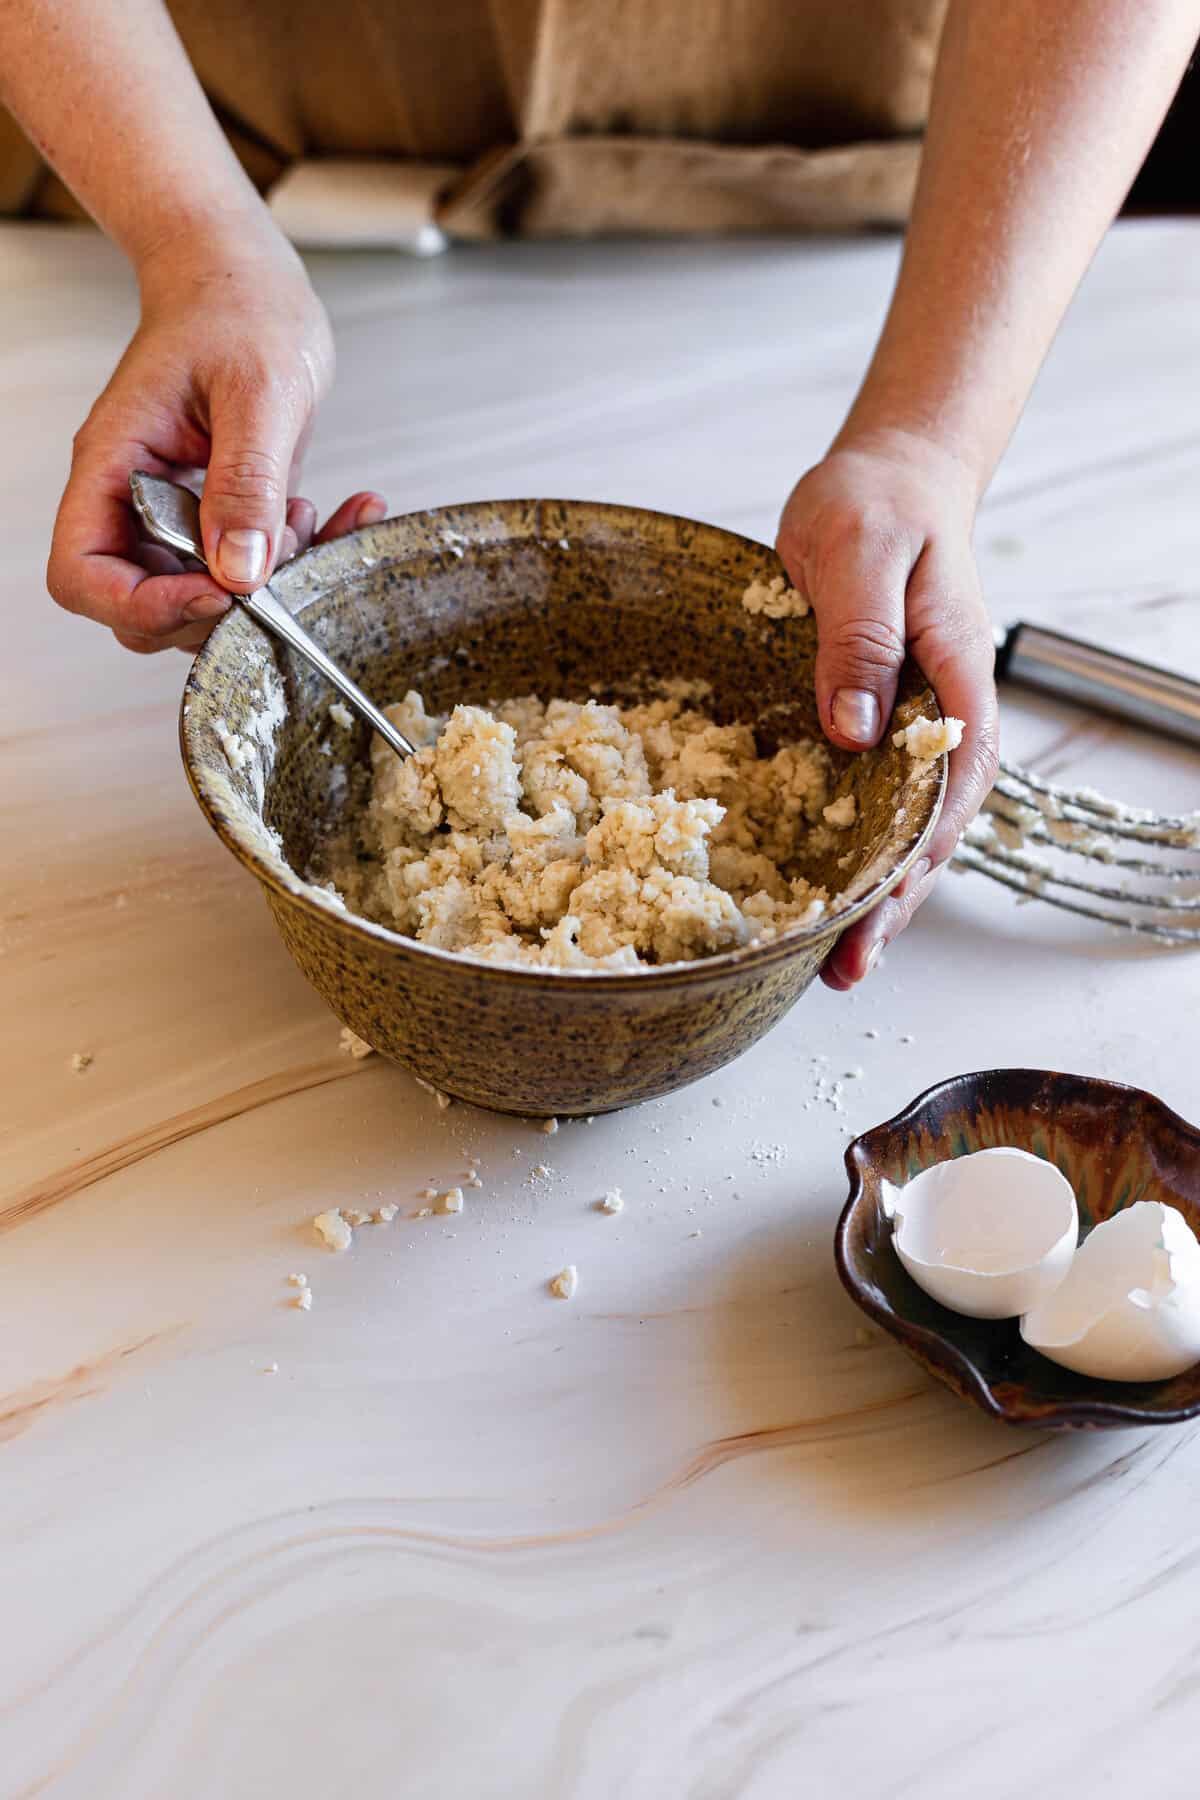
(170, 514)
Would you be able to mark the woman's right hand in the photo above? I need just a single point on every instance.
(223, 375)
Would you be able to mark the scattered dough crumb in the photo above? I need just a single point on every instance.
(775, 599)
(82, 1059)
(298, 1280)
(841, 813)
(564, 1284)
(443, 1100)
(350, 1044)
(926, 738)
(355, 1216)
(304, 1300)
(424, 1212)
(613, 1201)
(271, 1369)
(385, 1214)
(334, 1229)
(341, 715)
(449, 1202)
(549, 1126)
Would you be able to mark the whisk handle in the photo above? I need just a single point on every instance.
(1118, 685)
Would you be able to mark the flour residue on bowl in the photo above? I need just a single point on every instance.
(585, 835)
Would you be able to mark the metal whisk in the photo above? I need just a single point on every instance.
(1137, 870)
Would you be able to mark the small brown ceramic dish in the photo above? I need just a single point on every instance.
(1114, 1144)
(563, 598)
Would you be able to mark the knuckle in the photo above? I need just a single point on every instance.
(59, 586)
(842, 527)
(871, 645)
(251, 476)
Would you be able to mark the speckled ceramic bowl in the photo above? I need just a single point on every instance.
(1114, 1144)
(562, 598)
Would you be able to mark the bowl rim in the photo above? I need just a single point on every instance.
(941, 1351)
(301, 892)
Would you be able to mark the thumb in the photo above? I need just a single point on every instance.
(242, 509)
(857, 592)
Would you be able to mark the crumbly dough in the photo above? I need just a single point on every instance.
(578, 835)
(333, 1229)
(564, 1284)
(926, 738)
(775, 599)
(841, 813)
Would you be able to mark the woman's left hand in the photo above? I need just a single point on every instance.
(878, 538)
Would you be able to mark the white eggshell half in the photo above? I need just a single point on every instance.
(991, 1234)
(1129, 1307)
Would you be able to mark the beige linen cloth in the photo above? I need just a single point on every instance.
(549, 118)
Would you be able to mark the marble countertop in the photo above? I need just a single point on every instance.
(687, 1535)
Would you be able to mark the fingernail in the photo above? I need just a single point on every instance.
(856, 715)
(242, 558)
(873, 955)
(206, 606)
(371, 511)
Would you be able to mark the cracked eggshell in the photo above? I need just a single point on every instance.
(1129, 1308)
(990, 1234)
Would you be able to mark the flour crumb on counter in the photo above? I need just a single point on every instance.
(385, 1214)
(304, 1300)
(341, 715)
(926, 738)
(271, 1369)
(350, 1044)
(333, 1229)
(444, 1100)
(451, 1201)
(549, 1126)
(612, 1202)
(82, 1061)
(354, 1215)
(774, 599)
(300, 1281)
(564, 1284)
(841, 813)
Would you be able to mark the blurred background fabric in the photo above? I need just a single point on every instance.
(583, 117)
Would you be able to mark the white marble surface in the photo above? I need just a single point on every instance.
(684, 1536)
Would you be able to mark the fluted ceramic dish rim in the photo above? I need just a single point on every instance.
(241, 842)
(1104, 1408)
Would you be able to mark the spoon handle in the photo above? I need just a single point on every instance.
(170, 514)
